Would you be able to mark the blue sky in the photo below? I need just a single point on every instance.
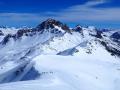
(100, 13)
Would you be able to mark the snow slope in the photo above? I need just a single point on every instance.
(71, 73)
(53, 56)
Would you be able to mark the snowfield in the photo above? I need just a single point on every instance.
(71, 73)
(52, 56)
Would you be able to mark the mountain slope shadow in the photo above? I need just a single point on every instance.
(31, 75)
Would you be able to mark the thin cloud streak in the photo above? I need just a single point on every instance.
(86, 12)
(73, 14)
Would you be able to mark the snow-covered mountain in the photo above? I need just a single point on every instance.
(54, 56)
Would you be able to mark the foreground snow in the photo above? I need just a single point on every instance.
(71, 73)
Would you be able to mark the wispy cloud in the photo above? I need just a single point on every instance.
(76, 14)
(87, 12)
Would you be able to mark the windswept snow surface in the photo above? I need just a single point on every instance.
(52, 57)
(71, 73)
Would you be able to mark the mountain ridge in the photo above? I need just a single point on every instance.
(50, 36)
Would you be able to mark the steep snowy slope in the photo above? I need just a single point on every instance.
(58, 57)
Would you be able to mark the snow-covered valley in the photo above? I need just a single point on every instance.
(52, 56)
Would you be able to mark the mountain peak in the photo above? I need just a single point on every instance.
(51, 20)
(52, 23)
(49, 23)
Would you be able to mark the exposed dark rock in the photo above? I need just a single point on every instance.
(116, 35)
(6, 38)
(1, 33)
(110, 49)
(49, 23)
(78, 28)
(23, 31)
(66, 28)
(98, 34)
